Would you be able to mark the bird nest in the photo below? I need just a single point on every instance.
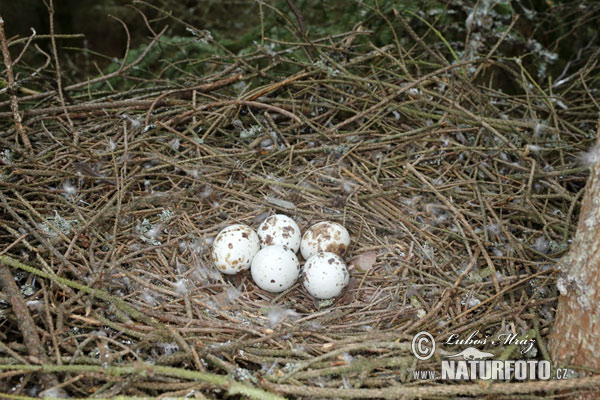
(459, 198)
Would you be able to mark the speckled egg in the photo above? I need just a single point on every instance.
(325, 275)
(275, 268)
(280, 229)
(234, 248)
(324, 236)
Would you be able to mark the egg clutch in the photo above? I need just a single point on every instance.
(271, 257)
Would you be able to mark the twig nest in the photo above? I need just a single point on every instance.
(324, 236)
(275, 268)
(281, 230)
(234, 248)
(325, 275)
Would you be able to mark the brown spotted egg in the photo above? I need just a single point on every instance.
(281, 230)
(324, 236)
(325, 275)
(275, 268)
(234, 248)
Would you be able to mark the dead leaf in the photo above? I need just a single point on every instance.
(349, 294)
(365, 261)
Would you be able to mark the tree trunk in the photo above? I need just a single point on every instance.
(575, 339)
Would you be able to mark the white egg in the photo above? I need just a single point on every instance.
(275, 268)
(234, 248)
(324, 236)
(325, 275)
(280, 229)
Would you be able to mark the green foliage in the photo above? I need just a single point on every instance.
(171, 60)
(460, 31)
